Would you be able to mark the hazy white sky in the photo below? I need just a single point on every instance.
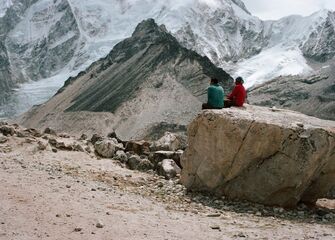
(275, 9)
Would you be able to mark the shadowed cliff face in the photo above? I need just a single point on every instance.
(132, 62)
(5, 78)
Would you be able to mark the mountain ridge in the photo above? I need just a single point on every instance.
(224, 31)
(147, 80)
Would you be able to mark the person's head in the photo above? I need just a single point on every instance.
(239, 80)
(214, 81)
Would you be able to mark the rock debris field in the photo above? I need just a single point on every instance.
(54, 186)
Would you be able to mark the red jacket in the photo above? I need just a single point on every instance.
(238, 95)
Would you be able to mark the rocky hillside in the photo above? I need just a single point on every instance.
(314, 95)
(6, 83)
(147, 81)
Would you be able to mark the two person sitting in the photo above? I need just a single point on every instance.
(216, 99)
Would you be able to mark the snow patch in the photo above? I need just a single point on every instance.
(271, 63)
(4, 5)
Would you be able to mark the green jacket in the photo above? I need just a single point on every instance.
(215, 96)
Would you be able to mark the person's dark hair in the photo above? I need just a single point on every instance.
(214, 81)
(239, 80)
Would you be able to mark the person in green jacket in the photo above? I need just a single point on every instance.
(215, 96)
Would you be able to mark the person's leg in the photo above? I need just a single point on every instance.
(205, 106)
(228, 103)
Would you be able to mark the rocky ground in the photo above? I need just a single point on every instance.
(56, 187)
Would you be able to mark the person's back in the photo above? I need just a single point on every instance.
(239, 93)
(215, 96)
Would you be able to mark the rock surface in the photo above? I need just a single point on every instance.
(169, 142)
(268, 156)
(107, 148)
(168, 168)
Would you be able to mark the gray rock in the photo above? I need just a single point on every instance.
(169, 142)
(83, 137)
(138, 147)
(78, 148)
(99, 225)
(159, 156)
(50, 131)
(3, 139)
(95, 138)
(108, 148)
(7, 130)
(42, 145)
(145, 165)
(258, 155)
(134, 161)
(61, 145)
(168, 168)
(121, 156)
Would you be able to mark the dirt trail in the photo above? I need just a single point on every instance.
(74, 195)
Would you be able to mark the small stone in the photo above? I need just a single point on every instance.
(78, 229)
(99, 225)
(215, 227)
(54, 150)
(83, 137)
(68, 186)
(57, 215)
(50, 131)
(42, 145)
(93, 190)
(213, 215)
(3, 139)
(241, 235)
(259, 214)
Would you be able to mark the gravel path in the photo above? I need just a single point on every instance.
(74, 195)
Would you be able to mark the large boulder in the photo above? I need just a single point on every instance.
(268, 156)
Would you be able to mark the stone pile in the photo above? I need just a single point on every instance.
(162, 156)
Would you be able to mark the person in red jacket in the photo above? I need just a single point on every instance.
(238, 95)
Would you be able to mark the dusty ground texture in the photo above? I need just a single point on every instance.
(75, 195)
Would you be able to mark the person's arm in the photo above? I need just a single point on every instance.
(208, 93)
(233, 94)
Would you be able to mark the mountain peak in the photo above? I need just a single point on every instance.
(148, 26)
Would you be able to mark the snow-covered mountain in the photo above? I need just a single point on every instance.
(53, 39)
(147, 84)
